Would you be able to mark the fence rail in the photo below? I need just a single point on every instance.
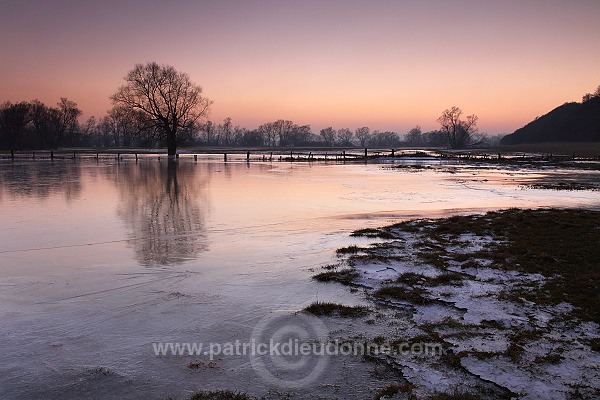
(336, 155)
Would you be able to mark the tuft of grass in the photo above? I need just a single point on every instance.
(101, 371)
(550, 358)
(220, 395)
(411, 278)
(489, 323)
(349, 250)
(448, 278)
(393, 389)
(446, 323)
(595, 344)
(373, 258)
(373, 233)
(451, 359)
(514, 351)
(327, 308)
(343, 276)
(454, 396)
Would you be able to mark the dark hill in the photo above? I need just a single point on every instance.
(571, 122)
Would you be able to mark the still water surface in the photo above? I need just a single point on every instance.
(99, 260)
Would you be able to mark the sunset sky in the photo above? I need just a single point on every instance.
(389, 65)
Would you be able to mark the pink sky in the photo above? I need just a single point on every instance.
(389, 65)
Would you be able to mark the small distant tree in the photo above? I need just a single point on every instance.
(299, 135)
(66, 124)
(435, 139)
(363, 135)
(170, 100)
(14, 119)
(344, 136)
(209, 132)
(384, 139)
(269, 132)
(226, 132)
(589, 96)
(414, 137)
(459, 133)
(328, 135)
(252, 138)
(283, 130)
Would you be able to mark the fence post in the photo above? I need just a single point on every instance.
(51, 155)
(225, 157)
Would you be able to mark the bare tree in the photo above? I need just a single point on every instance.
(169, 99)
(344, 136)
(384, 139)
(14, 119)
(66, 124)
(226, 131)
(284, 129)
(363, 134)
(299, 135)
(328, 135)
(269, 133)
(460, 133)
(414, 137)
(209, 132)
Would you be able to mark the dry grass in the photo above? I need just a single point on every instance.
(220, 395)
(343, 276)
(327, 308)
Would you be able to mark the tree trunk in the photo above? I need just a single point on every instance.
(171, 144)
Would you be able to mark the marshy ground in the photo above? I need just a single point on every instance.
(510, 295)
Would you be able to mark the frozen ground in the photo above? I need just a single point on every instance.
(496, 344)
(100, 261)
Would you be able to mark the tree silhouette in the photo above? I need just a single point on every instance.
(14, 119)
(459, 133)
(169, 99)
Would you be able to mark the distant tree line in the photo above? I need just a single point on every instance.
(34, 125)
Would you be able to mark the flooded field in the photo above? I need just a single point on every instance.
(99, 262)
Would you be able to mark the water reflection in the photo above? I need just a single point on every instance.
(41, 180)
(164, 205)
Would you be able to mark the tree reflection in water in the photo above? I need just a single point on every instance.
(164, 205)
